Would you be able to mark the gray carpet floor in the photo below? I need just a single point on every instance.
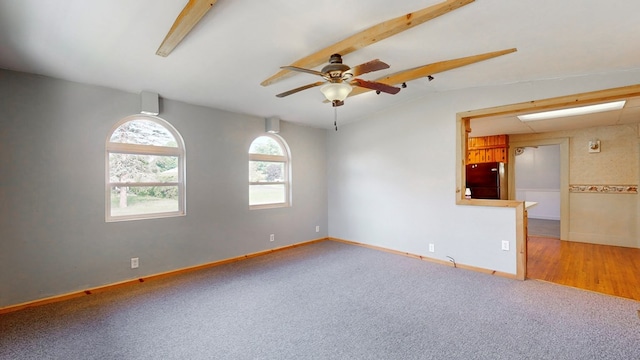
(329, 300)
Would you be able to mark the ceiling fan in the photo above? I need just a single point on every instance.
(371, 35)
(340, 79)
(374, 34)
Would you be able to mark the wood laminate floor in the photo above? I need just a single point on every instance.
(606, 269)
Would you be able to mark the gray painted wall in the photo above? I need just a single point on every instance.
(388, 180)
(53, 235)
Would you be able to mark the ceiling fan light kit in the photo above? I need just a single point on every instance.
(336, 91)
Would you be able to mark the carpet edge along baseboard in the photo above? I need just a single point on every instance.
(430, 259)
(106, 287)
(128, 282)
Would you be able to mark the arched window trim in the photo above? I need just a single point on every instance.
(286, 159)
(124, 148)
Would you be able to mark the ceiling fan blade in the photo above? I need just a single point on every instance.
(293, 91)
(371, 35)
(299, 69)
(188, 18)
(434, 68)
(373, 65)
(372, 85)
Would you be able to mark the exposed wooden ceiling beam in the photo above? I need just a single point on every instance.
(188, 18)
(370, 36)
(431, 69)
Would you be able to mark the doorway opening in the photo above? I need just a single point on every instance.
(539, 173)
(537, 179)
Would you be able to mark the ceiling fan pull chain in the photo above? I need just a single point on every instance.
(335, 118)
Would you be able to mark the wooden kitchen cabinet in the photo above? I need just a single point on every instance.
(486, 149)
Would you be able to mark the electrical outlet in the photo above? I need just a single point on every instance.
(432, 248)
(505, 245)
(272, 237)
(317, 228)
(135, 262)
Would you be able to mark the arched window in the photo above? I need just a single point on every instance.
(145, 163)
(269, 173)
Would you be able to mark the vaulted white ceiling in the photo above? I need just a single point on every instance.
(240, 43)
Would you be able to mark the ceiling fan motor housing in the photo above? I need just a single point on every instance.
(336, 69)
(335, 59)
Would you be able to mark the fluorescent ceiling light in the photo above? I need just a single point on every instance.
(581, 110)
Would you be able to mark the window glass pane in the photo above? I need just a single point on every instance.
(142, 168)
(140, 200)
(265, 145)
(266, 194)
(266, 171)
(143, 132)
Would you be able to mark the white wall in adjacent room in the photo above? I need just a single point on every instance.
(537, 179)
